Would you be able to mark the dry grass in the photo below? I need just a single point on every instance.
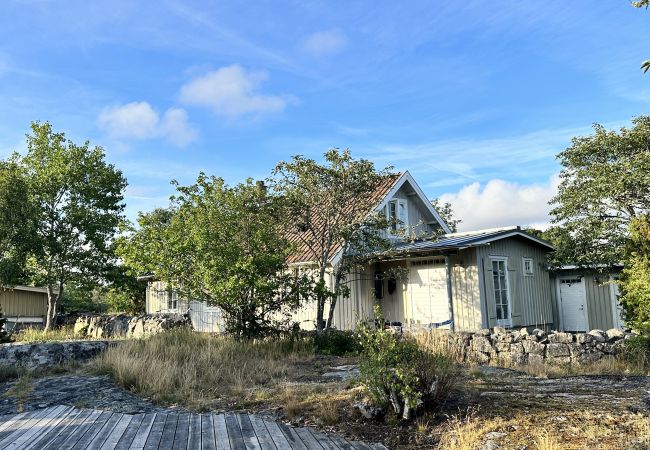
(441, 342)
(36, 335)
(193, 369)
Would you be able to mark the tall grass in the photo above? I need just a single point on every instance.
(181, 366)
(36, 335)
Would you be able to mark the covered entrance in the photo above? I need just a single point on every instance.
(427, 293)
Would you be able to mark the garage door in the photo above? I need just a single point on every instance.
(574, 304)
(427, 294)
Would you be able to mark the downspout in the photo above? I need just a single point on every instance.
(450, 294)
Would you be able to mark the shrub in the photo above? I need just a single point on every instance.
(336, 342)
(636, 351)
(397, 372)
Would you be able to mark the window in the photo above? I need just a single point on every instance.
(172, 299)
(397, 214)
(528, 267)
(392, 215)
(501, 294)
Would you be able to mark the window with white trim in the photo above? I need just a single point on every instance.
(528, 267)
(501, 291)
(397, 214)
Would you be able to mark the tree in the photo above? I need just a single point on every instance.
(605, 184)
(635, 278)
(225, 245)
(78, 199)
(645, 65)
(330, 212)
(16, 222)
(447, 214)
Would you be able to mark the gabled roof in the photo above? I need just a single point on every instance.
(381, 196)
(41, 290)
(459, 241)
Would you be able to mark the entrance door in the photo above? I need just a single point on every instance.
(574, 304)
(427, 287)
(501, 286)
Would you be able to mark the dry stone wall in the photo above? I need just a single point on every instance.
(518, 347)
(122, 326)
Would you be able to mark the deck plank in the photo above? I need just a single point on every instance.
(36, 429)
(51, 427)
(194, 433)
(100, 437)
(78, 433)
(118, 431)
(284, 437)
(207, 433)
(72, 427)
(220, 432)
(92, 431)
(155, 433)
(127, 437)
(234, 433)
(308, 439)
(342, 443)
(324, 440)
(142, 434)
(182, 432)
(262, 434)
(247, 432)
(20, 426)
(66, 422)
(169, 431)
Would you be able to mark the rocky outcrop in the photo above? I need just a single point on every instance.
(122, 326)
(47, 354)
(517, 347)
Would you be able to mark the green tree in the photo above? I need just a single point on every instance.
(635, 278)
(225, 245)
(605, 184)
(16, 222)
(446, 212)
(79, 205)
(645, 65)
(329, 213)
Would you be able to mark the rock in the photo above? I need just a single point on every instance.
(499, 330)
(489, 445)
(524, 332)
(495, 435)
(482, 344)
(482, 332)
(584, 338)
(47, 354)
(576, 349)
(368, 411)
(557, 350)
(111, 326)
(343, 372)
(539, 333)
(598, 335)
(533, 347)
(534, 359)
(517, 349)
(560, 338)
(502, 347)
(614, 334)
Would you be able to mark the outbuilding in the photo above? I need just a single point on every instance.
(23, 306)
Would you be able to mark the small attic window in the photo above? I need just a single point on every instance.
(528, 267)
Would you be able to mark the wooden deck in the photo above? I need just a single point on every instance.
(65, 427)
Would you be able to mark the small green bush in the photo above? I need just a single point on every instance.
(636, 351)
(336, 342)
(398, 373)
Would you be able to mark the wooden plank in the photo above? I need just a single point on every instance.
(21, 426)
(308, 439)
(289, 434)
(69, 429)
(263, 435)
(99, 438)
(71, 420)
(234, 433)
(220, 432)
(156, 432)
(93, 430)
(247, 432)
(13, 418)
(78, 433)
(324, 440)
(167, 438)
(182, 431)
(53, 427)
(194, 433)
(114, 437)
(361, 445)
(129, 433)
(342, 443)
(37, 428)
(379, 446)
(143, 432)
(207, 433)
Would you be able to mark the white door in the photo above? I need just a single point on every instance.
(573, 298)
(427, 287)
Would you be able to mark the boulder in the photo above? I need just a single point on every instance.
(584, 338)
(560, 338)
(502, 347)
(557, 350)
(482, 344)
(532, 347)
(499, 330)
(614, 334)
(482, 332)
(598, 335)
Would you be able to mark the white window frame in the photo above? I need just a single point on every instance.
(505, 322)
(400, 220)
(531, 272)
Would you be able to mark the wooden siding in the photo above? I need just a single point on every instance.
(19, 303)
(466, 291)
(530, 296)
(417, 215)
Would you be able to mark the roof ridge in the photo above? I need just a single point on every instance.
(483, 231)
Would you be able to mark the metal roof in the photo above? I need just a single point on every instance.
(459, 241)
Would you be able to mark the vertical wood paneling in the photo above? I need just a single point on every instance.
(19, 303)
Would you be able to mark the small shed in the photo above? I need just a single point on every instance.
(23, 305)
(584, 300)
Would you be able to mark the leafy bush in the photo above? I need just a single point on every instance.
(637, 352)
(336, 342)
(397, 372)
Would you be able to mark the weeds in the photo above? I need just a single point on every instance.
(20, 392)
(36, 335)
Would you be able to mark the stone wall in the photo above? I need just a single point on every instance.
(517, 347)
(32, 356)
(122, 326)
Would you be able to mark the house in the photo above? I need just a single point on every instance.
(585, 299)
(23, 306)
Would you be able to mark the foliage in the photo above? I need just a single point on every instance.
(636, 351)
(634, 282)
(447, 214)
(16, 222)
(336, 342)
(225, 245)
(399, 373)
(605, 183)
(81, 296)
(4, 334)
(124, 293)
(78, 207)
(329, 212)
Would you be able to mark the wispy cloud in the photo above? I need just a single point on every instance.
(139, 120)
(232, 92)
(324, 43)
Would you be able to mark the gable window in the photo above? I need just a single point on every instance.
(397, 214)
(528, 267)
(501, 291)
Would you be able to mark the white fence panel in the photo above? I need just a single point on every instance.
(208, 319)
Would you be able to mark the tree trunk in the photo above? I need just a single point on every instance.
(337, 284)
(50, 309)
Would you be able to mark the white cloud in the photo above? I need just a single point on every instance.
(324, 43)
(232, 92)
(502, 203)
(138, 120)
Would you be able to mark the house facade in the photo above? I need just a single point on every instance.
(23, 306)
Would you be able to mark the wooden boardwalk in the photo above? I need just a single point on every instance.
(65, 427)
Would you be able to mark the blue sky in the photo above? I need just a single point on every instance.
(474, 98)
